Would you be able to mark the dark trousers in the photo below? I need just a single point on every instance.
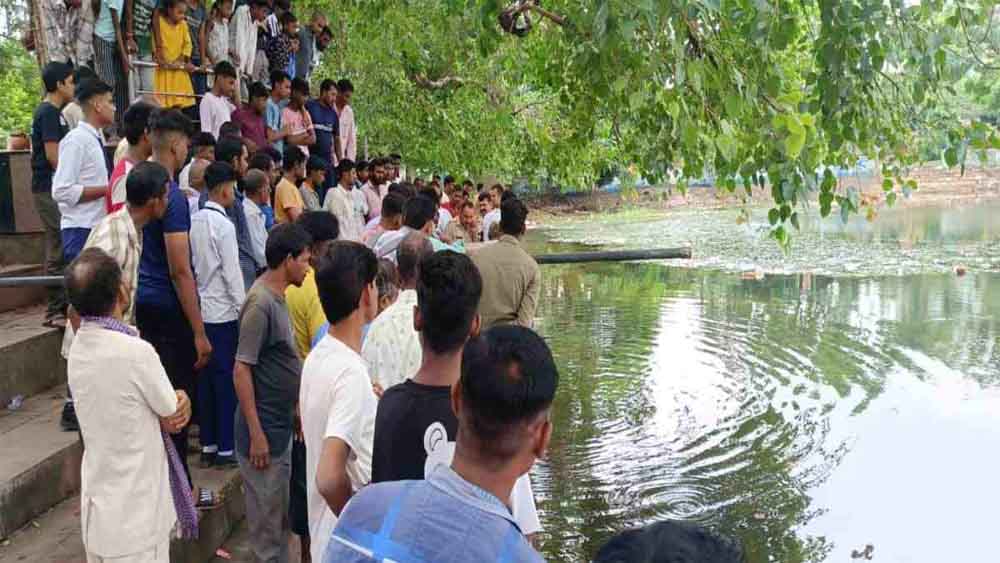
(73, 239)
(216, 394)
(48, 212)
(298, 515)
(167, 329)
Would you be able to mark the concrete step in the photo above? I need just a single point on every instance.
(22, 248)
(13, 298)
(31, 354)
(54, 536)
(39, 463)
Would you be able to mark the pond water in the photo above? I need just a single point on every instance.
(849, 397)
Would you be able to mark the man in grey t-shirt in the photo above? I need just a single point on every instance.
(267, 377)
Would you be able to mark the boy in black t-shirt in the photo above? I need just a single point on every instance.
(415, 426)
(48, 127)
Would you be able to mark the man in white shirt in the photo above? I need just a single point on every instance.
(392, 347)
(80, 183)
(340, 201)
(215, 107)
(127, 505)
(257, 189)
(216, 260)
(243, 29)
(493, 216)
(336, 398)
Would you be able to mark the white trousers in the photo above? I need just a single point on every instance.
(159, 553)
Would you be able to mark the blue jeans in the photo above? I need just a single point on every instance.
(216, 394)
(73, 239)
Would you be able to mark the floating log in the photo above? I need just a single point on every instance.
(567, 258)
(615, 256)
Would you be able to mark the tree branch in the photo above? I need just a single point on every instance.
(560, 20)
(421, 81)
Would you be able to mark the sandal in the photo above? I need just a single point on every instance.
(206, 500)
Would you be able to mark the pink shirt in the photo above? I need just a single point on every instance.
(348, 135)
(214, 111)
(300, 122)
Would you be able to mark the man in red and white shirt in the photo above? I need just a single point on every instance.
(136, 120)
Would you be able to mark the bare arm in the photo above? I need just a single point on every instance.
(92, 193)
(52, 154)
(332, 481)
(202, 34)
(293, 213)
(337, 150)
(182, 276)
(122, 51)
(243, 382)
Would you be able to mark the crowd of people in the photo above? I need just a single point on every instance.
(357, 343)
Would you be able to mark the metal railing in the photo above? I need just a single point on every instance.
(565, 258)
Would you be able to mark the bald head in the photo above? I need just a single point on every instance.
(92, 283)
(414, 248)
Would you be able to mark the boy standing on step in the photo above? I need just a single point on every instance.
(216, 261)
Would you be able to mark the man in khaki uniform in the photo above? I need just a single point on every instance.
(510, 275)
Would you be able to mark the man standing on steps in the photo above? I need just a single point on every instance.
(266, 378)
(416, 427)
(167, 311)
(80, 182)
(48, 127)
(128, 507)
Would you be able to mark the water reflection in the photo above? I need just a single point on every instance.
(808, 416)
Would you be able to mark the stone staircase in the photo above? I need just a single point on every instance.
(40, 464)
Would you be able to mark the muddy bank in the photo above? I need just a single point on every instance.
(936, 186)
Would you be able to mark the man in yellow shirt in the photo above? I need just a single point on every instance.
(304, 308)
(288, 203)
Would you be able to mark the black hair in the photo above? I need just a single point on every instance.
(321, 225)
(135, 121)
(316, 163)
(513, 214)
(272, 152)
(449, 179)
(346, 165)
(277, 77)
(411, 252)
(261, 161)
(228, 149)
(293, 157)
(467, 182)
(219, 172)
(344, 85)
(484, 196)
(224, 68)
(301, 86)
(91, 87)
(258, 90)
(448, 290)
(327, 31)
(362, 165)
(82, 73)
(676, 542)
(147, 180)
(163, 121)
(199, 139)
(285, 240)
(259, 4)
(508, 379)
(405, 189)
(287, 18)
(92, 281)
(326, 85)
(418, 211)
(342, 275)
(168, 4)
(431, 193)
(395, 158)
(55, 72)
(392, 204)
(230, 129)
(507, 194)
